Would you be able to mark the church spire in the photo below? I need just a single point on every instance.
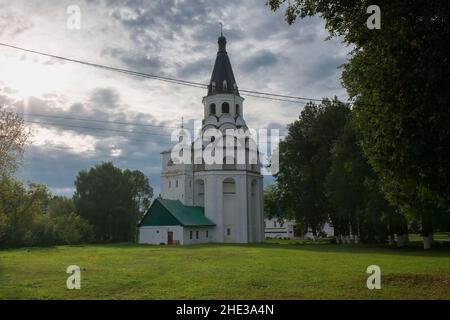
(222, 78)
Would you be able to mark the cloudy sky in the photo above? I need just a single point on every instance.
(171, 38)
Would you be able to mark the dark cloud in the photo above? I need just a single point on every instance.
(137, 61)
(324, 68)
(261, 59)
(57, 165)
(196, 68)
(105, 98)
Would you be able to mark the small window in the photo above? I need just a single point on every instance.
(237, 110)
(157, 231)
(225, 107)
(213, 86)
(176, 183)
(225, 86)
(207, 233)
(228, 231)
(190, 235)
(196, 234)
(170, 184)
(212, 108)
(274, 224)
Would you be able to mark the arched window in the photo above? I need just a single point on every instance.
(170, 184)
(225, 107)
(224, 85)
(238, 112)
(213, 86)
(212, 108)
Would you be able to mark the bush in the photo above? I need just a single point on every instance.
(73, 229)
(41, 232)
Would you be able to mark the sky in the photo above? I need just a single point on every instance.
(171, 38)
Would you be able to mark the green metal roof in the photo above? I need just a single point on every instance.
(165, 212)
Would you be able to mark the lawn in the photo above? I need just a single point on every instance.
(265, 271)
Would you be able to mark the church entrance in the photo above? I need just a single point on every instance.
(169, 237)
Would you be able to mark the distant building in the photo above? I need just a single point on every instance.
(279, 229)
(285, 229)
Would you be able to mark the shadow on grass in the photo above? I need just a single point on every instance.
(413, 249)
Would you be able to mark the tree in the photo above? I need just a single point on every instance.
(399, 78)
(305, 160)
(13, 138)
(273, 203)
(59, 206)
(358, 206)
(141, 190)
(110, 200)
(19, 207)
(71, 229)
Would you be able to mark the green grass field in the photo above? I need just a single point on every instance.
(266, 271)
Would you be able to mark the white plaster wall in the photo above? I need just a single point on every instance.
(202, 238)
(159, 234)
(237, 218)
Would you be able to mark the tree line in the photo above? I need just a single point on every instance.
(107, 204)
(390, 152)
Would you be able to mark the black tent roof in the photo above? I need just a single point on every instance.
(222, 72)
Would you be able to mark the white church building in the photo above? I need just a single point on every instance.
(202, 202)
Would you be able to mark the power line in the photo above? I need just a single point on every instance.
(97, 128)
(276, 99)
(107, 129)
(106, 121)
(262, 95)
(96, 120)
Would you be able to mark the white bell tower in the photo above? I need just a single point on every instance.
(231, 192)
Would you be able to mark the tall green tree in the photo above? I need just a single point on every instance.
(399, 79)
(111, 200)
(274, 205)
(141, 190)
(305, 160)
(357, 205)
